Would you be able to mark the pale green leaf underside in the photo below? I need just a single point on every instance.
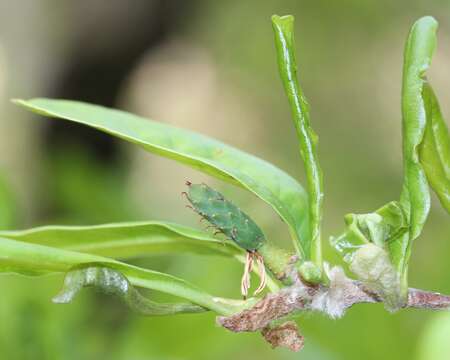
(113, 282)
(271, 184)
(32, 259)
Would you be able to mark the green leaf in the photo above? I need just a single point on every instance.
(266, 181)
(415, 197)
(284, 40)
(32, 259)
(113, 282)
(365, 247)
(127, 240)
(131, 240)
(380, 228)
(434, 150)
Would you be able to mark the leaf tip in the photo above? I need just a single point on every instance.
(428, 20)
(426, 24)
(284, 22)
(18, 101)
(275, 18)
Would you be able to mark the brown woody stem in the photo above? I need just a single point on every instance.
(333, 300)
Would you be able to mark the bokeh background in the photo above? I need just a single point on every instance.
(208, 66)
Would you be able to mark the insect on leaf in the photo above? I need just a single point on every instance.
(226, 217)
(268, 182)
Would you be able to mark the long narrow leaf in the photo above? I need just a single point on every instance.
(127, 240)
(131, 240)
(32, 259)
(284, 40)
(268, 182)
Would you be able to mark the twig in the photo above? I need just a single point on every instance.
(333, 300)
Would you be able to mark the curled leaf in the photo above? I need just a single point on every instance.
(283, 27)
(372, 265)
(415, 196)
(434, 150)
(32, 259)
(381, 227)
(113, 282)
(365, 247)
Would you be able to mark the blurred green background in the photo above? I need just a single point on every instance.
(208, 66)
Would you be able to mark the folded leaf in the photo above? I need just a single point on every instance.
(435, 148)
(112, 282)
(415, 197)
(385, 225)
(32, 259)
(271, 184)
(283, 28)
(419, 50)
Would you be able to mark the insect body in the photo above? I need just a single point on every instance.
(229, 220)
(226, 217)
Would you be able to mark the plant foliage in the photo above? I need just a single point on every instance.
(376, 245)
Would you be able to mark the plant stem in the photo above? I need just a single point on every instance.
(277, 260)
(306, 297)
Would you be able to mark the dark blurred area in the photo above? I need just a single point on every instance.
(208, 66)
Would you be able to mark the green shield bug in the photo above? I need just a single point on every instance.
(231, 221)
